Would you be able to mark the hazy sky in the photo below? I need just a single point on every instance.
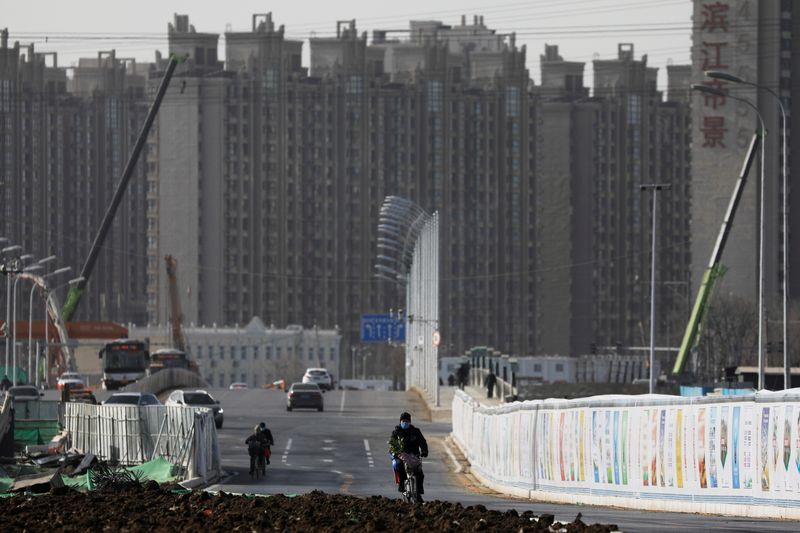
(583, 29)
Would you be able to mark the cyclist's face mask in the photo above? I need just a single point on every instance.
(405, 424)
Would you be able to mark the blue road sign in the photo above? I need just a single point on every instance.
(382, 328)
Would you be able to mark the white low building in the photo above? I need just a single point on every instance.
(254, 354)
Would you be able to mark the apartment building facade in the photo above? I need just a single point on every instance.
(597, 154)
(64, 144)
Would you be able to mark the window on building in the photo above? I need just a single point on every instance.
(559, 367)
(537, 367)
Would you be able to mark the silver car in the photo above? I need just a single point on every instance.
(198, 398)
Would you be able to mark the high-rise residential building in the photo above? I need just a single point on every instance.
(65, 142)
(269, 176)
(757, 42)
(594, 221)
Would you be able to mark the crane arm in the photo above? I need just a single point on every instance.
(76, 291)
(715, 270)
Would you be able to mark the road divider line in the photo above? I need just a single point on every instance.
(370, 461)
(341, 404)
(286, 450)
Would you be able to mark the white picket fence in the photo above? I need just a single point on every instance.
(129, 435)
(730, 455)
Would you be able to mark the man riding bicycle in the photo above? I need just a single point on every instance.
(258, 446)
(412, 442)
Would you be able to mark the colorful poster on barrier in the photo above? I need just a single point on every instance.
(764, 442)
(678, 445)
(776, 477)
(735, 447)
(582, 425)
(712, 447)
(700, 448)
(723, 473)
(787, 448)
(644, 447)
(669, 452)
(661, 439)
(748, 447)
(653, 447)
(625, 447)
(616, 448)
(596, 446)
(797, 448)
(561, 445)
(608, 449)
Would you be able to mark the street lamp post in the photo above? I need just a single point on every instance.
(785, 219)
(717, 92)
(9, 275)
(655, 187)
(28, 269)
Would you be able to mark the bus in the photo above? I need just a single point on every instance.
(124, 361)
(169, 358)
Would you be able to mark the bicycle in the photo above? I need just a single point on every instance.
(260, 469)
(412, 465)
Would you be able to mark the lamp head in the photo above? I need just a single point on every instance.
(708, 90)
(719, 75)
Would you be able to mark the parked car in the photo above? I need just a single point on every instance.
(320, 376)
(142, 399)
(197, 398)
(239, 385)
(306, 395)
(25, 392)
(69, 377)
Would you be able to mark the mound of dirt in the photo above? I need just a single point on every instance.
(149, 508)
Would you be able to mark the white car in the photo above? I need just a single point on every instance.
(71, 378)
(238, 385)
(197, 398)
(320, 376)
(142, 399)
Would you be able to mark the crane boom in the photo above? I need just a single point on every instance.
(176, 318)
(76, 291)
(715, 269)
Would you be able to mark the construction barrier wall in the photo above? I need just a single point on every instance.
(131, 435)
(733, 455)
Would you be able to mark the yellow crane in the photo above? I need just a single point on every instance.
(176, 317)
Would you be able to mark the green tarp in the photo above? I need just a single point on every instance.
(159, 469)
(22, 376)
(34, 431)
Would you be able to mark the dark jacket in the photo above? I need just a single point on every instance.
(490, 381)
(413, 441)
(258, 441)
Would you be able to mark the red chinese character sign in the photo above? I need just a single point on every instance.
(724, 39)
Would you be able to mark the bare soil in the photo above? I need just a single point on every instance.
(148, 508)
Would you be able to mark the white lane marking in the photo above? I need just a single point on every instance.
(341, 405)
(327, 460)
(327, 441)
(286, 450)
(369, 454)
(327, 448)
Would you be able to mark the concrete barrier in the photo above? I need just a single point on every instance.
(733, 456)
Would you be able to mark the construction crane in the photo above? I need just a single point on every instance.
(76, 291)
(715, 269)
(176, 317)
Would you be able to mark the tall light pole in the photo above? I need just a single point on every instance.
(9, 275)
(717, 92)
(655, 187)
(28, 269)
(785, 219)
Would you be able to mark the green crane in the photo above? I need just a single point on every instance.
(715, 269)
(76, 291)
